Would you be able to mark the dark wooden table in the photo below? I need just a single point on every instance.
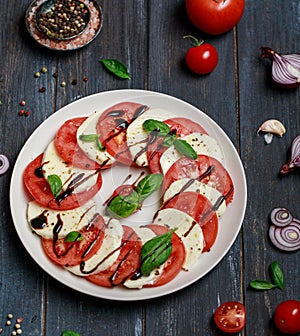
(238, 95)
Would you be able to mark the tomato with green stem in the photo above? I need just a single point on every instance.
(287, 317)
(201, 58)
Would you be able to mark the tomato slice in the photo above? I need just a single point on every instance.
(40, 190)
(230, 317)
(112, 126)
(175, 262)
(73, 253)
(67, 147)
(126, 264)
(200, 208)
(210, 169)
(178, 126)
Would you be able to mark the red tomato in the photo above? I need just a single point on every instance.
(40, 190)
(196, 206)
(230, 317)
(66, 145)
(218, 177)
(178, 126)
(126, 264)
(73, 253)
(174, 263)
(112, 126)
(215, 17)
(202, 59)
(287, 317)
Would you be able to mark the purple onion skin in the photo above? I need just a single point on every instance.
(284, 232)
(274, 56)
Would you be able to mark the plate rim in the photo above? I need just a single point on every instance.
(148, 293)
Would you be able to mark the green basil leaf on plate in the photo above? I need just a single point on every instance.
(55, 184)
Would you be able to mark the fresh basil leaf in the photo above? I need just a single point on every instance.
(169, 140)
(116, 67)
(99, 144)
(73, 236)
(69, 333)
(88, 137)
(276, 274)
(185, 148)
(148, 185)
(151, 125)
(261, 284)
(55, 184)
(155, 252)
(123, 206)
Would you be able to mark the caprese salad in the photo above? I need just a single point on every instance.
(177, 157)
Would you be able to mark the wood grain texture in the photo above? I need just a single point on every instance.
(239, 95)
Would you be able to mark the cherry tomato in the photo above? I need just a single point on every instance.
(213, 16)
(287, 317)
(230, 317)
(202, 58)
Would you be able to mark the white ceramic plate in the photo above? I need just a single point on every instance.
(230, 222)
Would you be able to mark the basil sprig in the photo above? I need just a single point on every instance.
(163, 130)
(92, 138)
(155, 252)
(116, 67)
(55, 184)
(277, 279)
(122, 206)
(69, 333)
(73, 236)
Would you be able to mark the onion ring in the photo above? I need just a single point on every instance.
(284, 231)
(4, 164)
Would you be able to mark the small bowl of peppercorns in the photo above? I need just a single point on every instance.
(62, 19)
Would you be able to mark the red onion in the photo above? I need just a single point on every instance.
(284, 231)
(285, 68)
(4, 164)
(294, 161)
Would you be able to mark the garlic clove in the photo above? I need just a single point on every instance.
(272, 126)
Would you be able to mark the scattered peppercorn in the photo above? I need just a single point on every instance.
(27, 113)
(21, 112)
(74, 82)
(8, 322)
(85, 79)
(42, 89)
(37, 75)
(63, 84)
(14, 333)
(19, 320)
(43, 70)
(23, 103)
(55, 75)
(1, 330)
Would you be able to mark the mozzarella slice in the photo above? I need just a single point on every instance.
(188, 230)
(42, 221)
(53, 164)
(144, 234)
(137, 136)
(108, 252)
(89, 126)
(202, 144)
(212, 194)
